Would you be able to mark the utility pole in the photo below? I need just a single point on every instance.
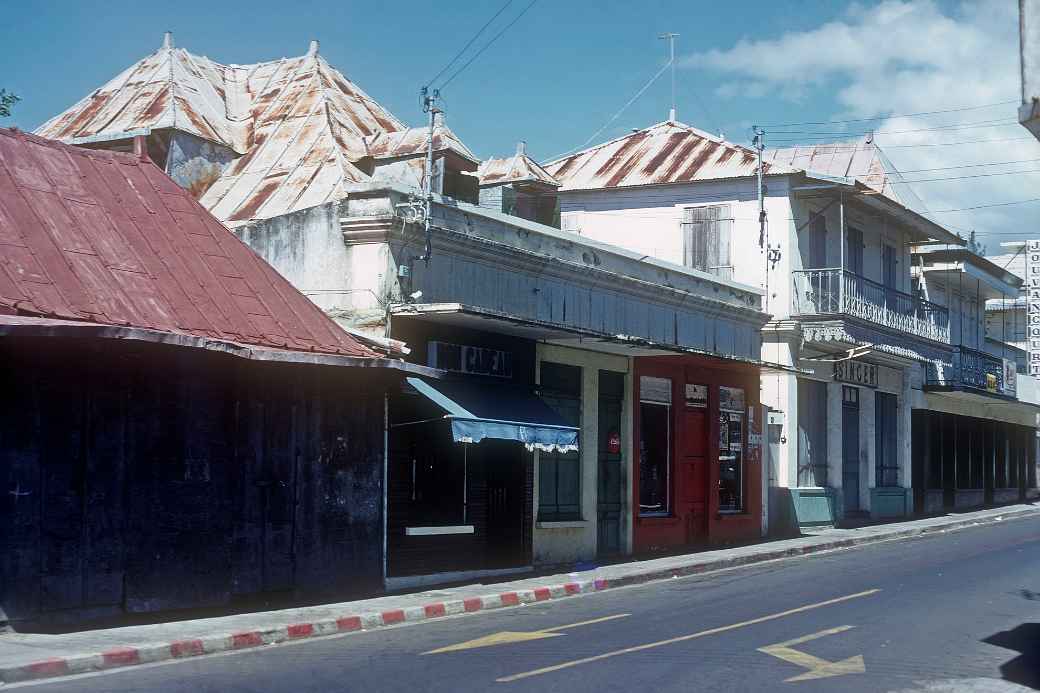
(429, 106)
(670, 37)
(759, 144)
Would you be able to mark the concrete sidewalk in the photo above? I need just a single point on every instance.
(25, 656)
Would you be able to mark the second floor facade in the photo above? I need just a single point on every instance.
(841, 249)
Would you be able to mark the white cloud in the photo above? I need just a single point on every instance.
(909, 57)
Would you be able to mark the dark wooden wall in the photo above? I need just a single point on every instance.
(141, 477)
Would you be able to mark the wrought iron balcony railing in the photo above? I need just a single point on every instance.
(840, 292)
(972, 369)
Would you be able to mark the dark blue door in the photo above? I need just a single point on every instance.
(850, 448)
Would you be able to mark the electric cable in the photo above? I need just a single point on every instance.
(894, 115)
(487, 45)
(470, 42)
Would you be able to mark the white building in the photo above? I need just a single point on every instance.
(838, 284)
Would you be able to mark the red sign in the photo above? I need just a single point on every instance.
(613, 442)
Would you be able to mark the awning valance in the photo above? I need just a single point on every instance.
(478, 411)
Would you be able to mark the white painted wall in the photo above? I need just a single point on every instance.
(569, 542)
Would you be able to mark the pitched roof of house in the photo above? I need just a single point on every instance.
(863, 161)
(519, 168)
(668, 152)
(301, 127)
(106, 237)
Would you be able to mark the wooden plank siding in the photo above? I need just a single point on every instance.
(149, 477)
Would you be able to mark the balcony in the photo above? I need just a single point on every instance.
(975, 370)
(836, 292)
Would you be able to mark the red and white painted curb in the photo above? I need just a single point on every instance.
(143, 654)
(178, 649)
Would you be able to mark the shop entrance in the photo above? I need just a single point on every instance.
(850, 448)
(608, 496)
(693, 473)
(503, 466)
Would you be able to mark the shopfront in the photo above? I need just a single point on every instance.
(698, 434)
(461, 464)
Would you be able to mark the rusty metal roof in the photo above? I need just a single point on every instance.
(669, 152)
(518, 168)
(301, 126)
(413, 141)
(105, 237)
(862, 161)
(170, 88)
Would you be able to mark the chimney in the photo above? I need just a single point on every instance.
(671, 115)
(313, 49)
(141, 148)
(521, 148)
(438, 119)
(167, 40)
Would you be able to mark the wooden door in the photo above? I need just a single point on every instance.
(692, 473)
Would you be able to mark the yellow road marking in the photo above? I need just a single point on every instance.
(818, 668)
(683, 638)
(507, 637)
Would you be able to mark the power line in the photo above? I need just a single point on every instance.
(893, 115)
(948, 168)
(470, 42)
(616, 115)
(488, 44)
(995, 204)
(976, 175)
(853, 147)
(817, 135)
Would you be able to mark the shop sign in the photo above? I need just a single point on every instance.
(731, 399)
(1010, 377)
(696, 396)
(856, 372)
(1033, 298)
(472, 360)
(614, 443)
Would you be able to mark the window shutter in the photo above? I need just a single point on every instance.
(707, 235)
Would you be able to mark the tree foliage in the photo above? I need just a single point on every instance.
(7, 99)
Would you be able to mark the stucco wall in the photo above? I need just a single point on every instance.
(574, 541)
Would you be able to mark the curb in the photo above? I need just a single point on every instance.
(121, 657)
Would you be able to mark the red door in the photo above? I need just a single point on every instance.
(692, 473)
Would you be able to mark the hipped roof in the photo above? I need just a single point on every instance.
(105, 237)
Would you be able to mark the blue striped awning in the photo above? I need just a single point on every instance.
(479, 411)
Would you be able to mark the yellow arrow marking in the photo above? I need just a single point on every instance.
(818, 668)
(506, 637)
(684, 638)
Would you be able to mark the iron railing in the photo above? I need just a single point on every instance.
(970, 368)
(840, 292)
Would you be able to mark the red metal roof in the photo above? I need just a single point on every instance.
(108, 238)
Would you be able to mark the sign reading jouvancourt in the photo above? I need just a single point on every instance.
(1033, 298)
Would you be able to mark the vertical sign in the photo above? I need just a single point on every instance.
(1033, 298)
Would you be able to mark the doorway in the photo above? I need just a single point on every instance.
(850, 448)
(609, 491)
(504, 468)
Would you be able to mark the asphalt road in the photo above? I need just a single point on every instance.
(959, 611)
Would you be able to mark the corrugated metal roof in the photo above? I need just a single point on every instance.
(301, 126)
(170, 88)
(863, 161)
(104, 237)
(518, 168)
(669, 152)
(413, 141)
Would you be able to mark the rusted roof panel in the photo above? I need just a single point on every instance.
(863, 161)
(104, 237)
(300, 125)
(413, 142)
(518, 168)
(169, 88)
(669, 152)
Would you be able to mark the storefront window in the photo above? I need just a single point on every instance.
(559, 474)
(438, 483)
(731, 449)
(654, 445)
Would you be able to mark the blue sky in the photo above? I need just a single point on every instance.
(556, 76)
